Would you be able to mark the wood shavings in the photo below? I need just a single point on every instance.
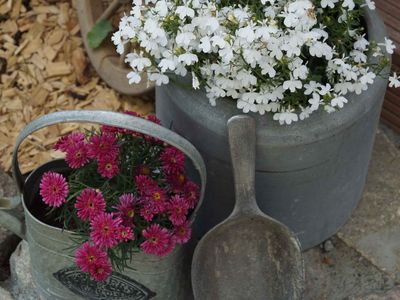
(47, 70)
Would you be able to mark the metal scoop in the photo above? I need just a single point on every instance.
(249, 255)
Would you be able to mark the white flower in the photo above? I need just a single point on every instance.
(343, 88)
(394, 81)
(325, 89)
(368, 78)
(311, 87)
(300, 72)
(218, 41)
(184, 11)
(361, 43)
(286, 117)
(137, 62)
(349, 4)
(330, 3)
(184, 39)
(338, 101)
(370, 4)
(358, 56)
(359, 87)
(292, 85)
(205, 44)
(320, 49)
(188, 58)
(305, 113)
(158, 78)
(315, 101)
(247, 33)
(246, 78)
(226, 54)
(161, 8)
(133, 77)
(167, 64)
(195, 81)
(388, 45)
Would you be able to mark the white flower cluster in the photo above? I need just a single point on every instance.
(265, 59)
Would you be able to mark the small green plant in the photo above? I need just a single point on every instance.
(98, 33)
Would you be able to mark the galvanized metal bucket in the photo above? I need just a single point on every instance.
(51, 248)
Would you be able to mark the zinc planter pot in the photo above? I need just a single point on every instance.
(51, 249)
(309, 175)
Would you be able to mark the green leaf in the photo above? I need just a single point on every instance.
(98, 33)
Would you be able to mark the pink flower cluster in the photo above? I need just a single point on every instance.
(141, 198)
(102, 148)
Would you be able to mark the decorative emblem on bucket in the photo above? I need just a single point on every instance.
(117, 286)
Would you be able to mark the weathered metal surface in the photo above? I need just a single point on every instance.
(116, 287)
(249, 255)
(311, 174)
(51, 248)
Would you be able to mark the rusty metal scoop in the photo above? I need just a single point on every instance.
(249, 255)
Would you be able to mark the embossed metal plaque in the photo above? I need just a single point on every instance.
(116, 287)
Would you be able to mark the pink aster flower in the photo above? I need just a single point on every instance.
(103, 146)
(168, 247)
(101, 270)
(53, 189)
(87, 256)
(172, 160)
(192, 194)
(182, 233)
(126, 209)
(147, 212)
(66, 141)
(158, 240)
(177, 210)
(108, 167)
(176, 182)
(157, 198)
(104, 230)
(144, 183)
(77, 155)
(90, 203)
(142, 170)
(149, 191)
(125, 234)
(154, 119)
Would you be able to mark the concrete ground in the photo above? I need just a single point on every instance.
(361, 262)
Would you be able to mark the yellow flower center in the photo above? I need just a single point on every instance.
(130, 213)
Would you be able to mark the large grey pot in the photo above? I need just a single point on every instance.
(52, 250)
(309, 175)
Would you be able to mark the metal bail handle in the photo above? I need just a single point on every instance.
(112, 119)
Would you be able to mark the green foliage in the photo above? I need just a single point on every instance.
(98, 33)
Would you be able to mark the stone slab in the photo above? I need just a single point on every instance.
(340, 273)
(374, 229)
(5, 295)
(21, 284)
(8, 240)
(393, 294)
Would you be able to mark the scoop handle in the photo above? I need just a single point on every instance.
(242, 144)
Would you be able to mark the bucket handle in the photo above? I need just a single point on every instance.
(12, 218)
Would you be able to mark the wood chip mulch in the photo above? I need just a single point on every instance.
(44, 68)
